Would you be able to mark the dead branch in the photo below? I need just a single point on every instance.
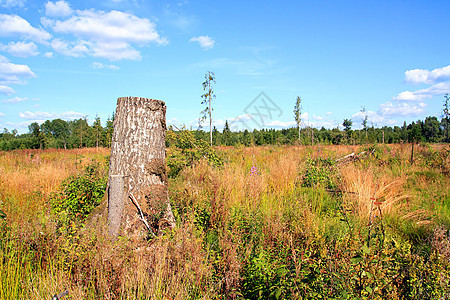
(350, 157)
(141, 214)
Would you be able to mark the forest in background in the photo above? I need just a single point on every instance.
(61, 134)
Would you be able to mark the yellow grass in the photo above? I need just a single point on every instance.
(180, 264)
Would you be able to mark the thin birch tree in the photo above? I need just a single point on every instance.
(298, 114)
(208, 97)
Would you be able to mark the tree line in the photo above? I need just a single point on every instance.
(431, 130)
(79, 133)
(60, 134)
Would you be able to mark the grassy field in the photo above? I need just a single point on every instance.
(270, 223)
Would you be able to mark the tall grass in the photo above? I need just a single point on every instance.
(248, 229)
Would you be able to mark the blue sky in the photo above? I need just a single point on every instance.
(72, 59)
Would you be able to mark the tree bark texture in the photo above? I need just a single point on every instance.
(138, 154)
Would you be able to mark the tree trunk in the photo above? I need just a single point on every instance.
(138, 154)
(210, 121)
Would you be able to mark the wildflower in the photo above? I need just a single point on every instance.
(254, 171)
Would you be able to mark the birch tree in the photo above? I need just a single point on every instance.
(298, 114)
(208, 97)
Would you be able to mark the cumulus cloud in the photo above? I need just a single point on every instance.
(6, 90)
(410, 96)
(99, 65)
(280, 124)
(57, 9)
(204, 41)
(12, 3)
(402, 108)
(435, 90)
(250, 122)
(373, 117)
(20, 49)
(109, 35)
(115, 51)
(12, 73)
(413, 103)
(426, 76)
(15, 26)
(75, 49)
(40, 115)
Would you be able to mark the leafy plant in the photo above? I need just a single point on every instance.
(80, 194)
(320, 172)
(186, 149)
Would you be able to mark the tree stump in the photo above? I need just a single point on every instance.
(138, 157)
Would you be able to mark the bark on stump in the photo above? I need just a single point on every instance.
(138, 156)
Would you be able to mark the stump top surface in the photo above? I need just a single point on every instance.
(133, 99)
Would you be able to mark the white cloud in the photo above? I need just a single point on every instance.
(409, 96)
(57, 9)
(115, 51)
(15, 26)
(40, 115)
(13, 73)
(12, 3)
(48, 54)
(204, 41)
(109, 26)
(76, 49)
(402, 108)
(2, 114)
(20, 49)
(280, 124)
(411, 103)
(107, 35)
(15, 100)
(437, 89)
(372, 117)
(99, 65)
(317, 118)
(250, 122)
(426, 76)
(6, 90)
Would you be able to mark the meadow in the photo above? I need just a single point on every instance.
(272, 222)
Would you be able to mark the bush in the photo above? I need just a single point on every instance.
(320, 172)
(186, 150)
(80, 194)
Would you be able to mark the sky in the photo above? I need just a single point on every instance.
(73, 59)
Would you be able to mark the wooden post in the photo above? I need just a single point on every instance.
(138, 158)
(116, 197)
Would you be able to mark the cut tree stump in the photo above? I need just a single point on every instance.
(137, 164)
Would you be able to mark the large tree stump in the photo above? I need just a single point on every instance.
(138, 155)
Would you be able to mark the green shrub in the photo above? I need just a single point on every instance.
(80, 194)
(186, 149)
(320, 172)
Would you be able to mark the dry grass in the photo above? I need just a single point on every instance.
(223, 214)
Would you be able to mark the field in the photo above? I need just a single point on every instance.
(275, 222)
